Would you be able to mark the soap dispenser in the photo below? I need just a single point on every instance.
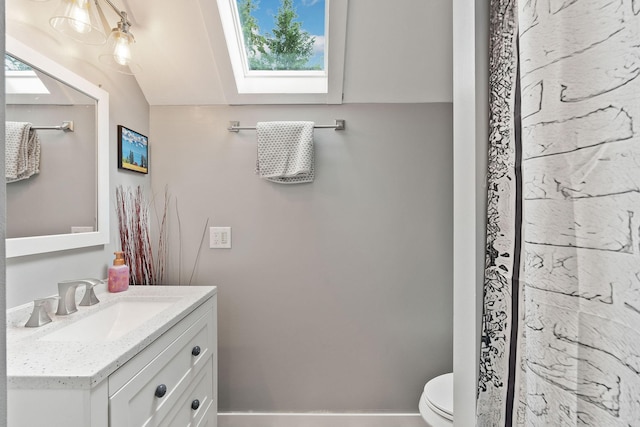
(118, 274)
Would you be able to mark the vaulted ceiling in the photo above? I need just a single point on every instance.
(398, 51)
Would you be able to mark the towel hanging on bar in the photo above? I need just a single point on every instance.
(22, 151)
(285, 152)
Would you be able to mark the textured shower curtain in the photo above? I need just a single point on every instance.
(561, 319)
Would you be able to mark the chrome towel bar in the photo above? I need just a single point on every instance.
(235, 126)
(65, 126)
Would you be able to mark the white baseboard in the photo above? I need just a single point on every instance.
(320, 419)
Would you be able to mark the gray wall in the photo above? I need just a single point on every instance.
(66, 184)
(336, 295)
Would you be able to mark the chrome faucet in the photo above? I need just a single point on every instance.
(67, 293)
(90, 297)
(39, 315)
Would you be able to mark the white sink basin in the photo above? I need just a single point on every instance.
(110, 322)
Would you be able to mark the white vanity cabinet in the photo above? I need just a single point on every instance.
(171, 381)
(172, 373)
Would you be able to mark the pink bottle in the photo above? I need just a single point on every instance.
(118, 274)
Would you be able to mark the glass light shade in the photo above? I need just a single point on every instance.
(79, 20)
(119, 52)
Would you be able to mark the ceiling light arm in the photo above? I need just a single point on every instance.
(123, 15)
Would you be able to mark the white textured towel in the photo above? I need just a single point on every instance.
(285, 151)
(22, 151)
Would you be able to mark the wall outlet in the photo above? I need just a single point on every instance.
(220, 237)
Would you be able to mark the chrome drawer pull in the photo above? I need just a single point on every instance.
(161, 390)
(195, 404)
(195, 351)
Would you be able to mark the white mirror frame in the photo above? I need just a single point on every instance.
(40, 244)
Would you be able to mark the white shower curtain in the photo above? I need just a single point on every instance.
(561, 319)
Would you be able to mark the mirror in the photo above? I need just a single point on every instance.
(65, 205)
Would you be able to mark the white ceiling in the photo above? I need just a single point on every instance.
(396, 51)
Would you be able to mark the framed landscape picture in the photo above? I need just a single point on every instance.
(133, 150)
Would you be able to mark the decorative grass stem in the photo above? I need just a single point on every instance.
(133, 222)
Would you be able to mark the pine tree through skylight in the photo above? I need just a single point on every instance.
(283, 34)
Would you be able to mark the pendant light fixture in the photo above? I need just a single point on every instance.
(79, 20)
(118, 53)
(84, 21)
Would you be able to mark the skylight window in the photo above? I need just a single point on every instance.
(20, 78)
(282, 51)
(283, 35)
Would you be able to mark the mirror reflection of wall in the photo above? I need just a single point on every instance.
(64, 193)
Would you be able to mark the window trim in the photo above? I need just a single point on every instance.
(277, 87)
(24, 82)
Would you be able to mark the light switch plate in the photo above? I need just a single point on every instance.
(220, 237)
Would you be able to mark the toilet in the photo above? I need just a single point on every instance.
(436, 402)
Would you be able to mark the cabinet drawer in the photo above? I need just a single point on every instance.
(201, 389)
(175, 366)
(126, 372)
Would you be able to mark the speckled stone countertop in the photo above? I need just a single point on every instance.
(36, 363)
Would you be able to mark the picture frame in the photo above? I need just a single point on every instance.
(133, 150)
